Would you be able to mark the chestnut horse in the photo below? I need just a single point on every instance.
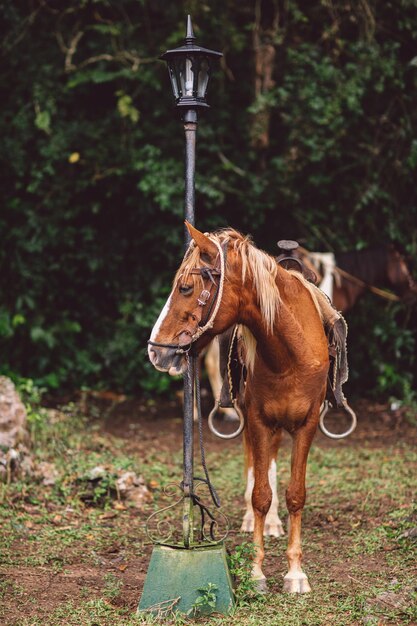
(225, 280)
(345, 277)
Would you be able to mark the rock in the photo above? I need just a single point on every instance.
(410, 533)
(97, 473)
(47, 472)
(13, 417)
(128, 480)
(14, 456)
(132, 487)
(15, 462)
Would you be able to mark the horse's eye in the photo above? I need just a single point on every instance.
(186, 290)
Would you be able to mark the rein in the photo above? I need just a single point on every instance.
(195, 377)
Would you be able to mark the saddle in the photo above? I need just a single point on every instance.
(335, 328)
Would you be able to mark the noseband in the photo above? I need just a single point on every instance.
(205, 298)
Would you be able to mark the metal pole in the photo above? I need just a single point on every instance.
(188, 454)
(190, 127)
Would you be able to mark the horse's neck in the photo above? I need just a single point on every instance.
(284, 346)
(369, 266)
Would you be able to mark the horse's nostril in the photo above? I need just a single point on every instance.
(152, 355)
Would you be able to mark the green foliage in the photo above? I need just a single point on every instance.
(92, 171)
(389, 350)
(31, 396)
(240, 564)
(97, 490)
(205, 601)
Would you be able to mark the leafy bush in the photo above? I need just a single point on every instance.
(91, 177)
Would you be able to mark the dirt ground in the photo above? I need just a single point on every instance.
(34, 587)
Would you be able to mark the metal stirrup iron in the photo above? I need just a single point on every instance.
(226, 435)
(324, 409)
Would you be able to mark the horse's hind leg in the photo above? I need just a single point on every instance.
(259, 438)
(273, 525)
(295, 580)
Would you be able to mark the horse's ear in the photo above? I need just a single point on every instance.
(207, 247)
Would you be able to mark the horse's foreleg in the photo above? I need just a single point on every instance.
(248, 519)
(295, 580)
(273, 525)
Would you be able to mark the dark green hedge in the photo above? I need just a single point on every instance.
(91, 176)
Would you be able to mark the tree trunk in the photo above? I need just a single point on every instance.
(265, 32)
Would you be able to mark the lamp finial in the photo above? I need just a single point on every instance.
(189, 37)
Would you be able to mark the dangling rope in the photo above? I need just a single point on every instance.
(196, 379)
(383, 293)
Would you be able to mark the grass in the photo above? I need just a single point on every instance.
(359, 552)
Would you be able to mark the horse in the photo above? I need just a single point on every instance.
(282, 319)
(347, 276)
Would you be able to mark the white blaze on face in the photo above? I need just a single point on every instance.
(155, 330)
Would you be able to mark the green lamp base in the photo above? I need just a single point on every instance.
(175, 576)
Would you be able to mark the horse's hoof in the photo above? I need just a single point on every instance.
(296, 585)
(274, 530)
(260, 585)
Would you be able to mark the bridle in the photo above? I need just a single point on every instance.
(206, 298)
(213, 301)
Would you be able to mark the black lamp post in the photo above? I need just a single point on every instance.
(189, 68)
(178, 571)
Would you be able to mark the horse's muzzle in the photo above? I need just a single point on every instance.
(167, 359)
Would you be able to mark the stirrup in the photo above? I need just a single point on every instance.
(225, 435)
(325, 407)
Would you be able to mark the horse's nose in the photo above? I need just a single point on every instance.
(166, 359)
(155, 355)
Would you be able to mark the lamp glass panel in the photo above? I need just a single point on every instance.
(174, 82)
(203, 77)
(180, 72)
(189, 77)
